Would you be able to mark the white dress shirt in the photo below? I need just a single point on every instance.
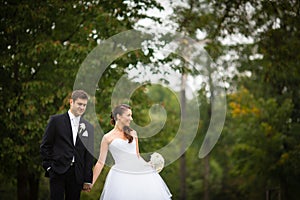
(75, 126)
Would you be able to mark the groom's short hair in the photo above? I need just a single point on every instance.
(79, 94)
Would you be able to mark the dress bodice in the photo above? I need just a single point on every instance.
(120, 149)
(126, 158)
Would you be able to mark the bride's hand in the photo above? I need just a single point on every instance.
(87, 187)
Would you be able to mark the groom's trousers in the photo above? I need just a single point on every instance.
(64, 186)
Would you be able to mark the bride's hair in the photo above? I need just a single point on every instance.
(113, 117)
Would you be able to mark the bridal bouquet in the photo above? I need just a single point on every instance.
(157, 161)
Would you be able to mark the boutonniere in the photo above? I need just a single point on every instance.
(82, 130)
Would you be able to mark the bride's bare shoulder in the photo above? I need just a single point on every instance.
(108, 137)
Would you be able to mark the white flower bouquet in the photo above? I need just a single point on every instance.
(157, 161)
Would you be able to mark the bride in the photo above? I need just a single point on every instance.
(131, 177)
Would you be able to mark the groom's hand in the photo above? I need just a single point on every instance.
(87, 187)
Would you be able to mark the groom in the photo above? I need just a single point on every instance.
(67, 150)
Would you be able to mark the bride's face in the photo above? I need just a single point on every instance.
(125, 118)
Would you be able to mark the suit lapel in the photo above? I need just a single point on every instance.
(69, 132)
(78, 133)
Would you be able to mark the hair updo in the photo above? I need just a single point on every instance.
(120, 109)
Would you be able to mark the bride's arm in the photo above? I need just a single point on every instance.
(134, 134)
(101, 160)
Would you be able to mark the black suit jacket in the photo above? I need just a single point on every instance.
(57, 148)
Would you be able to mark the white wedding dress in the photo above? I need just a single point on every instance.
(131, 177)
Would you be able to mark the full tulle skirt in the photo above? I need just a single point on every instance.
(120, 185)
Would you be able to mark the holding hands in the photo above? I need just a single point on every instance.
(87, 187)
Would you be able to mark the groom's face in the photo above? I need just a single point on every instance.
(78, 106)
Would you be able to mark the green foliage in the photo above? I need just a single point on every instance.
(44, 43)
(258, 127)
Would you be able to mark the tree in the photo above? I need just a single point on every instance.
(271, 64)
(43, 44)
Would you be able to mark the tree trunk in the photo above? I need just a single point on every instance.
(34, 181)
(206, 158)
(182, 149)
(28, 184)
(182, 178)
(22, 178)
(206, 177)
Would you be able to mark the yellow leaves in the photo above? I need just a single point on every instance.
(185, 41)
(65, 103)
(283, 158)
(255, 111)
(242, 104)
(56, 43)
(235, 109)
